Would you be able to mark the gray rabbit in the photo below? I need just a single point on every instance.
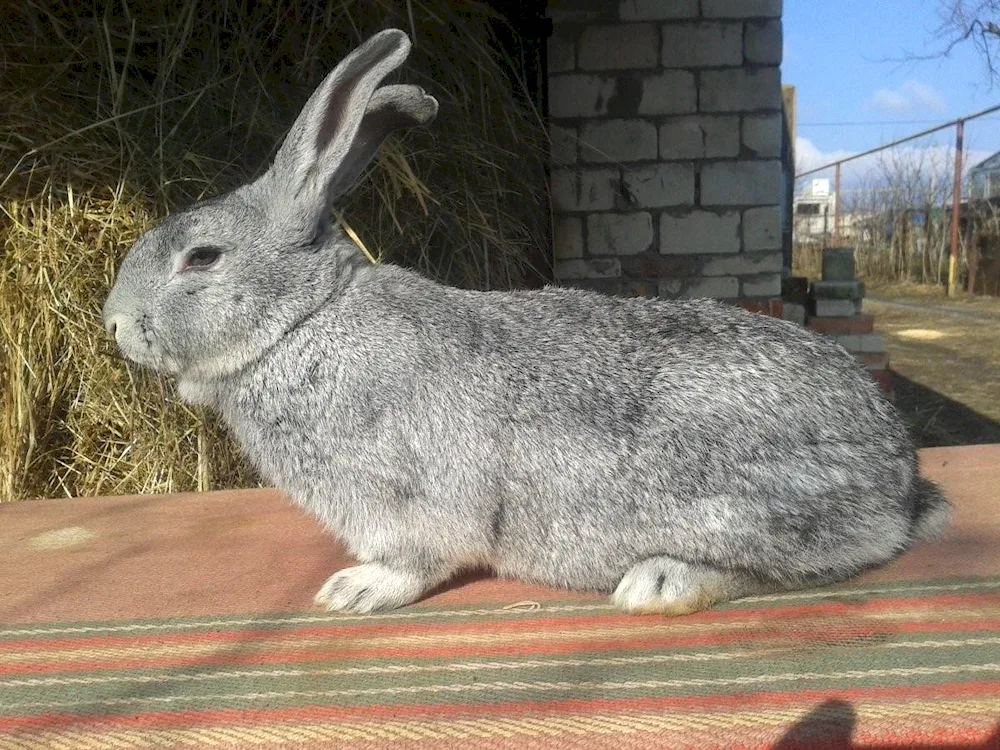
(677, 454)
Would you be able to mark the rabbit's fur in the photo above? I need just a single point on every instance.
(677, 453)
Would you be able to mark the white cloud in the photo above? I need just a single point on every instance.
(910, 98)
(808, 156)
(932, 156)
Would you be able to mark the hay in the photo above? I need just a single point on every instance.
(113, 116)
(76, 420)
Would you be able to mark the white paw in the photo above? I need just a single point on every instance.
(662, 585)
(370, 588)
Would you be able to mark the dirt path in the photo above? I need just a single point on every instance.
(946, 358)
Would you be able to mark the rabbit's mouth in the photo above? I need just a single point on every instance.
(138, 343)
(154, 360)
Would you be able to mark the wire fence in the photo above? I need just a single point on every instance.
(908, 208)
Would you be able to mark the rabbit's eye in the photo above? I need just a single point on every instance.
(202, 257)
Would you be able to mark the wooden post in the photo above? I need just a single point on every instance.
(956, 200)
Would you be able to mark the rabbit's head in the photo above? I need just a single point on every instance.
(212, 287)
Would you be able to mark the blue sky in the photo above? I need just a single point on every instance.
(845, 58)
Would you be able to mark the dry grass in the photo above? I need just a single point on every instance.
(933, 293)
(951, 366)
(807, 261)
(76, 419)
(178, 100)
(112, 114)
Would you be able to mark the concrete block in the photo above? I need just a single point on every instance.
(700, 138)
(652, 265)
(659, 185)
(624, 104)
(697, 45)
(621, 47)
(871, 343)
(619, 234)
(668, 93)
(584, 190)
(591, 268)
(835, 308)
(745, 264)
(567, 237)
(563, 144)
(850, 290)
(700, 232)
(762, 228)
(740, 90)
(838, 264)
(764, 285)
(763, 42)
(722, 287)
(618, 140)
(561, 51)
(762, 134)
(580, 95)
(850, 342)
(741, 183)
(741, 8)
(657, 10)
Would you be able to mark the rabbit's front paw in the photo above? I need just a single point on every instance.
(370, 588)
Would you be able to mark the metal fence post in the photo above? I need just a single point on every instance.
(836, 206)
(956, 200)
(956, 192)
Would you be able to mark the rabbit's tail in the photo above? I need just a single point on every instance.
(931, 511)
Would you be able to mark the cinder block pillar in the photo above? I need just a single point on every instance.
(666, 135)
(834, 309)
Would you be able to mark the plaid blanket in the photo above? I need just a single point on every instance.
(229, 656)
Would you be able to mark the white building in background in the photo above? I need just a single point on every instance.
(814, 209)
(984, 179)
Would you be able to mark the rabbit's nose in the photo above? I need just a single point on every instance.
(111, 324)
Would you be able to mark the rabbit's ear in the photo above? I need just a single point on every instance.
(391, 108)
(332, 135)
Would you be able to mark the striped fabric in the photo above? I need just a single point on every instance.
(897, 665)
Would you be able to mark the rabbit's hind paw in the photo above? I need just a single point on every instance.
(667, 586)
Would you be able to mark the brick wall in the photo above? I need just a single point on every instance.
(667, 135)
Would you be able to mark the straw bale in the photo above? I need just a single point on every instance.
(115, 113)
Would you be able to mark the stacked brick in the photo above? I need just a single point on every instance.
(666, 133)
(834, 309)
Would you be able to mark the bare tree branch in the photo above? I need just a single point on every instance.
(971, 21)
(895, 214)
